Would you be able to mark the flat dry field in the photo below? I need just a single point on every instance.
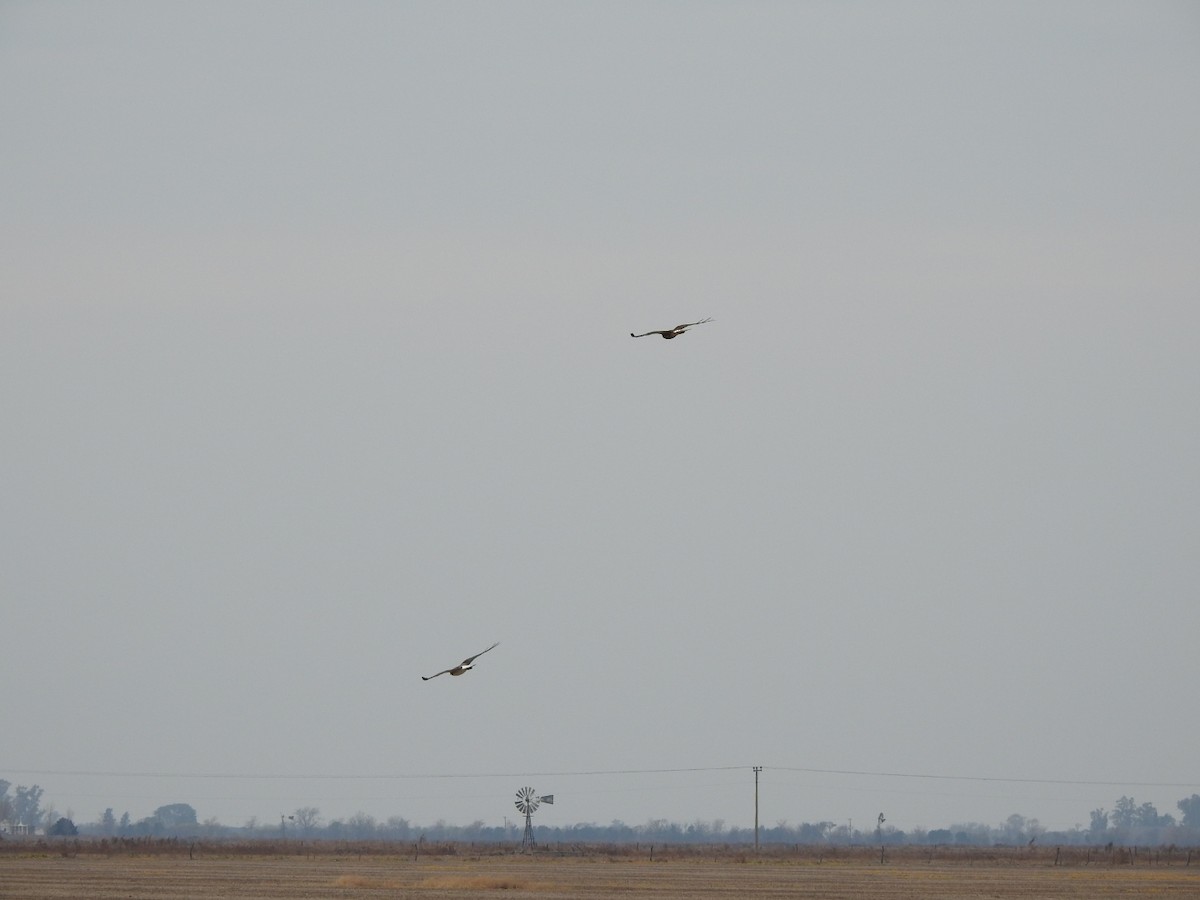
(591, 875)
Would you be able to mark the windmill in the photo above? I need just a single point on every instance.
(527, 802)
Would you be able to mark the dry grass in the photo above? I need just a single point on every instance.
(583, 873)
(483, 883)
(365, 882)
(444, 883)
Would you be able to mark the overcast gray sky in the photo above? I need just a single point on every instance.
(316, 377)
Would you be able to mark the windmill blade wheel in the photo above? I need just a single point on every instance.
(527, 800)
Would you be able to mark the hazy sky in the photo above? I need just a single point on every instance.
(316, 377)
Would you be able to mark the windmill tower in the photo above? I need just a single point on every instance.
(527, 802)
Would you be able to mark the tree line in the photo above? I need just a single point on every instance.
(1127, 823)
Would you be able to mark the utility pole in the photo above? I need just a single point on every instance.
(879, 834)
(757, 769)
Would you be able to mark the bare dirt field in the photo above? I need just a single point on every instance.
(208, 872)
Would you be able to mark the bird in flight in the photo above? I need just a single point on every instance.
(673, 332)
(465, 666)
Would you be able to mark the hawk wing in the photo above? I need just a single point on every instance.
(672, 332)
(471, 659)
(457, 670)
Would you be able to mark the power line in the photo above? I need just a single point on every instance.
(267, 776)
(408, 776)
(1175, 784)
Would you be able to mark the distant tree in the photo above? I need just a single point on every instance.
(108, 822)
(397, 828)
(655, 826)
(6, 810)
(619, 830)
(811, 832)
(251, 825)
(972, 833)
(151, 826)
(1190, 807)
(1124, 812)
(473, 832)
(1147, 814)
(308, 818)
(176, 815)
(62, 828)
(1014, 829)
(123, 825)
(1099, 823)
(661, 829)
(1033, 828)
(361, 826)
(27, 804)
(699, 830)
